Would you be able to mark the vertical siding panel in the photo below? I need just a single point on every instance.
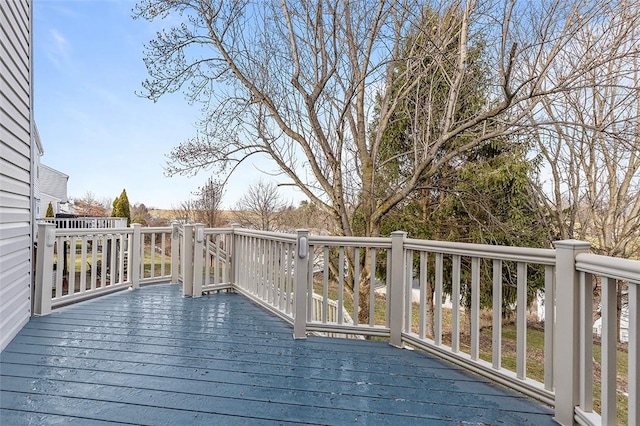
(16, 181)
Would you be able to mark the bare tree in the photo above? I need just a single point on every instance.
(307, 216)
(204, 208)
(299, 83)
(185, 212)
(140, 214)
(208, 201)
(589, 142)
(261, 207)
(89, 205)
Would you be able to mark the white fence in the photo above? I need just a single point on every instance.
(78, 264)
(613, 274)
(86, 222)
(309, 280)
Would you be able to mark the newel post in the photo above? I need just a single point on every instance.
(44, 268)
(187, 260)
(300, 285)
(175, 252)
(136, 249)
(198, 259)
(233, 252)
(396, 288)
(566, 355)
(634, 354)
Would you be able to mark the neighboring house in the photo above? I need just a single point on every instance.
(624, 325)
(52, 189)
(38, 152)
(17, 159)
(49, 185)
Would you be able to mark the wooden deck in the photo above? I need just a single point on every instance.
(151, 357)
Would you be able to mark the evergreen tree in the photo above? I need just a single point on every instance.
(481, 195)
(115, 210)
(50, 212)
(121, 207)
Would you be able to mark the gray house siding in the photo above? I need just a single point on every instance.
(53, 189)
(37, 154)
(16, 167)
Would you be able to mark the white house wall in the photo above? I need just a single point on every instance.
(15, 167)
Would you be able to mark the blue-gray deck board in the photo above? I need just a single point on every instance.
(152, 357)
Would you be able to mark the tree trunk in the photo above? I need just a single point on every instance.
(429, 321)
(363, 303)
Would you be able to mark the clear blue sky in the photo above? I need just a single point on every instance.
(87, 68)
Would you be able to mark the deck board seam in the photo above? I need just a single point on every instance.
(321, 379)
(285, 403)
(327, 393)
(273, 339)
(166, 408)
(68, 416)
(469, 379)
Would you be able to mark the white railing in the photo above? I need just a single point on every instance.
(78, 264)
(309, 280)
(397, 263)
(211, 264)
(469, 268)
(157, 254)
(86, 222)
(177, 233)
(616, 277)
(264, 269)
(335, 257)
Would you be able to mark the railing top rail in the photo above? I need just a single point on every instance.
(379, 242)
(329, 240)
(276, 236)
(613, 267)
(151, 229)
(92, 231)
(84, 221)
(218, 231)
(507, 253)
(54, 219)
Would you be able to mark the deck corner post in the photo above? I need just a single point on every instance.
(634, 355)
(234, 255)
(300, 285)
(44, 269)
(187, 260)
(396, 288)
(198, 259)
(135, 264)
(566, 350)
(175, 252)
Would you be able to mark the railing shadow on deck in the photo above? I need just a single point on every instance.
(306, 280)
